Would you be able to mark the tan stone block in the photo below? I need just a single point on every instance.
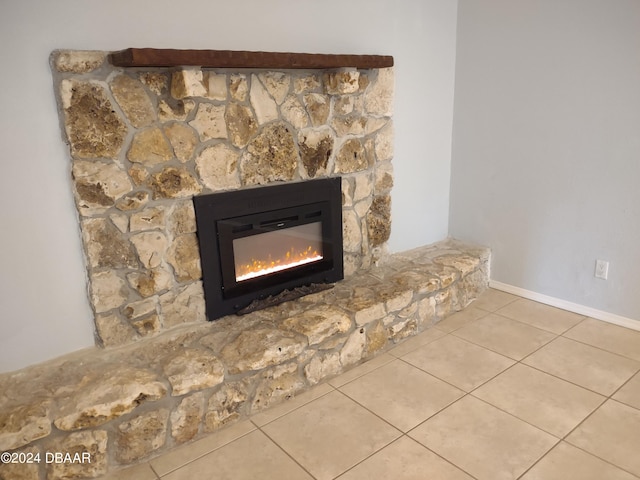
(270, 157)
(93, 127)
(183, 139)
(184, 257)
(319, 323)
(277, 84)
(306, 83)
(98, 185)
(78, 61)
(187, 82)
(103, 396)
(141, 308)
(464, 263)
(22, 471)
(150, 147)
(275, 387)
(351, 157)
(383, 178)
(113, 331)
(150, 282)
(134, 101)
(384, 143)
(322, 366)
(182, 218)
(379, 220)
(148, 219)
(105, 245)
(210, 122)
(316, 148)
(151, 248)
(22, 424)
(318, 107)
(226, 405)
(238, 87)
(294, 112)
(174, 183)
(108, 291)
(157, 82)
(184, 305)
(84, 455)
(216, 85)
(186, 418)
(376, 338)
(342, 82)
(138, 174)
(353, 349)
(241, 124)
(175, 110)
(217, 167)
(147, 325)
(351, 232)
(263, 104)
(141, 436)
(261, 347)
(191, 370)
(353, 124)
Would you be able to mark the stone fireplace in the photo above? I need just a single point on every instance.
(145, 140)
(147, 136)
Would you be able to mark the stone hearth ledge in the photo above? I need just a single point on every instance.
(128, 404)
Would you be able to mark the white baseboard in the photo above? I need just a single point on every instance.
(569, 306)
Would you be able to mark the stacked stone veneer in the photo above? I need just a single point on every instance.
(126, 404)
(143, 142)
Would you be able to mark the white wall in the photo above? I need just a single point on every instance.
(546, 150)
(45, 312)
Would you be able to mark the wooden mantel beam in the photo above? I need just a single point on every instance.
(153, 57)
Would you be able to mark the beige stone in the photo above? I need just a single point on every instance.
(322, 366)
(353, 349)
(141, 436)
(175, 110)
(133, 201)
(261, 347)
(98, 185)
(378, 98)
(21, 471)
(174, 182)
(22, 424)
(306, 83)
(376, 338)
(319, 323)
(103, 396)
(217, 167)
(383, 178)
(294, 113)
(216, 85)
(191, 370)
(93, 127)
(134, 101)
(105, 245)
(148, 219)
(241, 124)
(270, 157)
(210, 122)
(78, 61)
(238, 87)
(141, 308)
(183, 139)
(277, 84)
(121, 221)
(465, 263)
(226, 405)
(316, 148)
(342, 82)
(188, 82)
(147, 325)
(150, 147)
(343, 105)
(351, 232)
(108, 291)
(150, 282)
(263, 104)
(186, 418)
(184, 257)
(379, 220)
(181, 218)
(275, 387)
(363, 187)
(113, 330)
(91, 446)
(318, 107)
(185, 305)
(349, 125)
(157, 82)
(351, 157)
(151, 248)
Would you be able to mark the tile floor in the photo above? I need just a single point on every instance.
(506, 389)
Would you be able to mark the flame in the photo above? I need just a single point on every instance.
(259, 267)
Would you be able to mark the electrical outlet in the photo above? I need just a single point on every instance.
(602, 269)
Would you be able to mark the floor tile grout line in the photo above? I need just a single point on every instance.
(286, 453)
(598, 347)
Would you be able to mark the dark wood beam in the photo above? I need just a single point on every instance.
(153, 57)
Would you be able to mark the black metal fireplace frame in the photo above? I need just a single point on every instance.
(223, 216)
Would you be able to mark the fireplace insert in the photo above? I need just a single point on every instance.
(258, 242)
